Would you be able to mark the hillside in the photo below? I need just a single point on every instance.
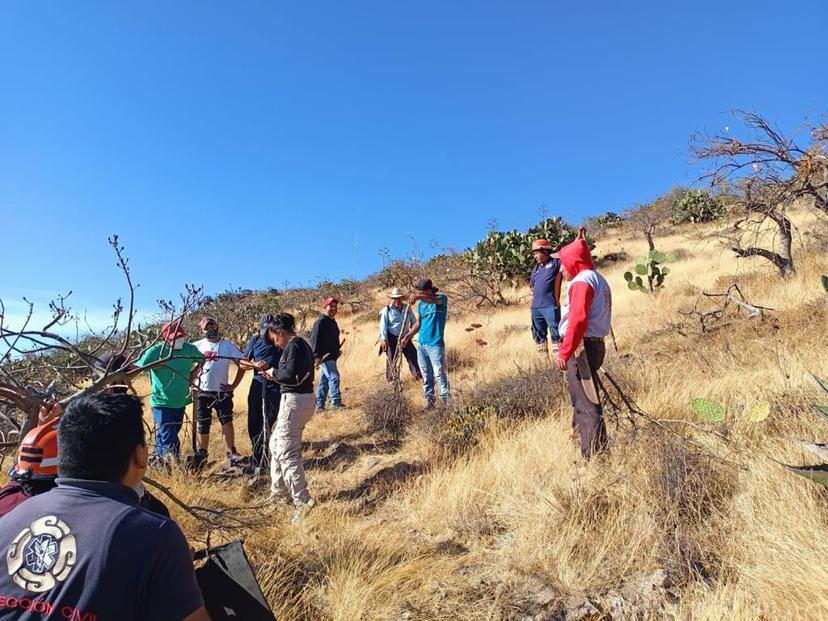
(683, 519)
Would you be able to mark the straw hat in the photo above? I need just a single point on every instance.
(396, 294)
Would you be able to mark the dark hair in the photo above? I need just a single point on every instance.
(97, 435)
(283, 321)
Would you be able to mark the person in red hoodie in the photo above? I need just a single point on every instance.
(585, 321)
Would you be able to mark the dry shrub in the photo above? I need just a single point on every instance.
(388, 411)
(457, 358)
(458, 427)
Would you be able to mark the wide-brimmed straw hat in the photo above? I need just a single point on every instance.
(396, 294)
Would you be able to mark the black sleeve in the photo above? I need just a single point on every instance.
(317, 339)
(289, 365)
(172, 591)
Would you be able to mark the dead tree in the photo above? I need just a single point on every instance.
(40, 367)
(771, 172)
(650, 218)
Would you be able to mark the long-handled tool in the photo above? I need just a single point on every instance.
(585, 374)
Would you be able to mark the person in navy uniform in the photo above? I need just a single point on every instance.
(86, 549)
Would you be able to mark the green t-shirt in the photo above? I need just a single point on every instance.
(171, 380)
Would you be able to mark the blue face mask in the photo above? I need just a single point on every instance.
(212, 334)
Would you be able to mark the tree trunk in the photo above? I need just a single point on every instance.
(649, 233)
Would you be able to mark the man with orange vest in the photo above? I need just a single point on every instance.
(545, 282)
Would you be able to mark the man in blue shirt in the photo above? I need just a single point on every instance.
(86, 550)
(263, 398)
(397, 319)
(432, 310)
(545, 282)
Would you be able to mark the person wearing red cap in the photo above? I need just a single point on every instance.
(326, 349)
(585, 321)
(545, 283)
(171, 383)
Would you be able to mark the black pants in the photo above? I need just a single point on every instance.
(410, 353)
(588, 419)
(221, 402)
(256, 418)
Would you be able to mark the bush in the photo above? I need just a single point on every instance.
(697, 206)
(609, 220)
(388, 412)
(458, 428)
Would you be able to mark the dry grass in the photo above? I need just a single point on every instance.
(520, 527)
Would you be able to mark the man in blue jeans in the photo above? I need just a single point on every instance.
(174, 365)
(326, 347)
(545, 283)
(432, 310)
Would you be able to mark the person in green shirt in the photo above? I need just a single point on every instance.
(171, 383)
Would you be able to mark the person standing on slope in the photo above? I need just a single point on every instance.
(171, 383)
(585, 321)
(396, 320)
(295, 377)
(326, 349)
(545, 282)
(263, 399)
(432, 311)
(214, 391)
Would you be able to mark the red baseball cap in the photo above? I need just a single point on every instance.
(328, 301)
(173, 330)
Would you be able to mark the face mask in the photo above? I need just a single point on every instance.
(212, 334)
(179, 343)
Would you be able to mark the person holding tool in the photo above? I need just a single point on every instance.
(261, 355)
(295, 377)
(214, 392)
(585, 322)
(397, 319)
(432, 311)
(171, 383)
(86, 549)
(326, 350)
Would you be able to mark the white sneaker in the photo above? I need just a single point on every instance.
(302, 510)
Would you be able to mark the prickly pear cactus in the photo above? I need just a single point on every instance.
(650, 266)
(759, 412)
(709, 411)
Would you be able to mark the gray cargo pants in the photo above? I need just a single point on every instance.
(588, 419)
(287, 471)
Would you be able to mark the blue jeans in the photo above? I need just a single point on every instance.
(167, 425)
(328, 378)
(543, 318)
(432, 360)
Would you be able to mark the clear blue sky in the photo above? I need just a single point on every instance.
(255, 143)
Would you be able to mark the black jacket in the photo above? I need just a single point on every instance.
(295, 372)
(325, 338)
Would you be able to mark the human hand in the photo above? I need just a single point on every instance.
(226, 387)
(384, 346)
(49, 412)
(261, 365)
(561, 365)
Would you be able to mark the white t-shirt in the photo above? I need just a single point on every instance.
(217, 361)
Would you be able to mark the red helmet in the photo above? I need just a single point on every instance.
(37, 457)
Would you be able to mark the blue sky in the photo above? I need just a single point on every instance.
(257, 143)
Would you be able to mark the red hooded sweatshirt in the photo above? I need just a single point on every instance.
(588, 310)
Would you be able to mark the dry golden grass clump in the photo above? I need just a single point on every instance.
(682, 519)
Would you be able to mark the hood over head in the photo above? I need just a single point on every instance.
(576, 257)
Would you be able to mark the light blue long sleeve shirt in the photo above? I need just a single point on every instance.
(391, 321)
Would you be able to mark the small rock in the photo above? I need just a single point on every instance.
(544, 597)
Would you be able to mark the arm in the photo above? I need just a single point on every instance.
(315, 338)
(240, 369)
(580, 301)
(410, 335)
(199, 615)
(286, 373)
(171, 590)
